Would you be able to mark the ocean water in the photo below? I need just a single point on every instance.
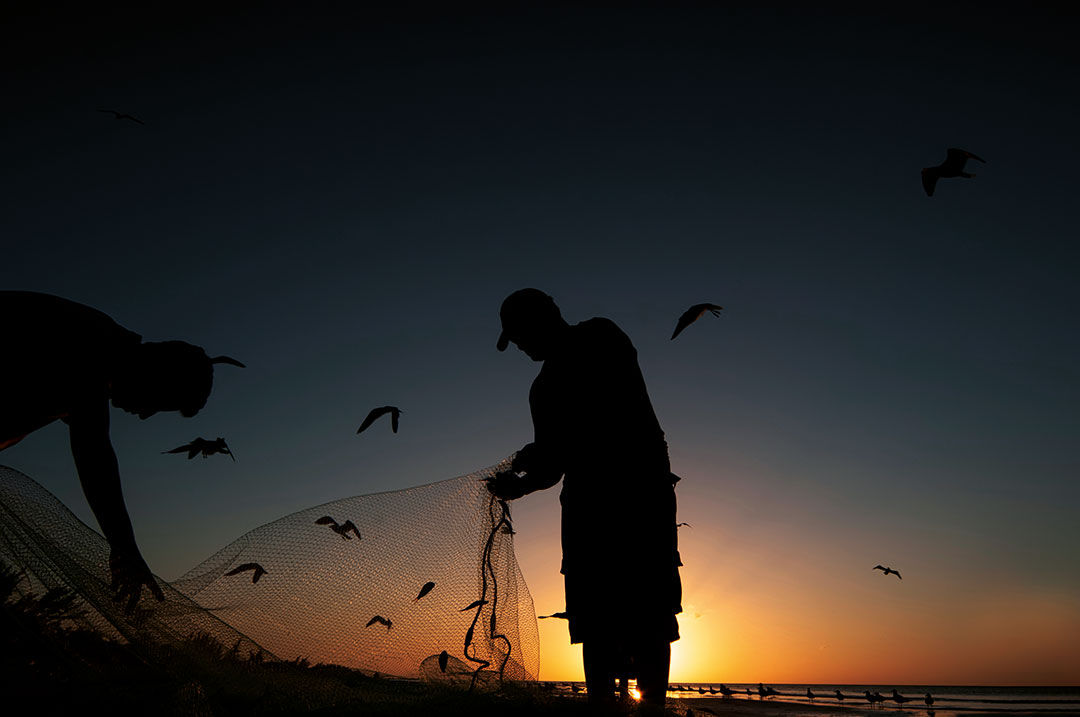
(948, 699)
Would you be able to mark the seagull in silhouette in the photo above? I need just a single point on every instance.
(810, 695)
(692, 314)
(725, 691)
(898, 698)
(259, 571)
(679, 525)
(122, 116)
(343, 529)
(444, 657)
(888, 571)
(559, 615)
(929, 700)
(953, 166)
(473, 604)
(395, 414)
(207, 448)
(379, 619)
(840, 696)
(425, 590)
(873, 699)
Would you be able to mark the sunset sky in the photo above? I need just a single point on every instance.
(342, 200)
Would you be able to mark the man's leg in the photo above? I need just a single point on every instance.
(599, 661)
(653, 661)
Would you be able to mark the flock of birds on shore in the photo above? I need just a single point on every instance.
(763, 692)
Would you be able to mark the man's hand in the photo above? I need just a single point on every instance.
(129, 573)
(506, 485)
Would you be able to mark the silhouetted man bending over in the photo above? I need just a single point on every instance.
(595, 428)
(63, 360)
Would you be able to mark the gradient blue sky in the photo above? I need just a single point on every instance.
(342, 200)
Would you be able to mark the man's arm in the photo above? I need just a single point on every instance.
(99, 473)
(531, 470)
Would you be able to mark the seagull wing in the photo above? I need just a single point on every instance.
(689, 316)
(956, 158)
(428, 586)
(475, 603)
(244, 568)
(395, 414)
(372, 416)
(180, 449)
(929, 180)
(326, 520)
(879, 567)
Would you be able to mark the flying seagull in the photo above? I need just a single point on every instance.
(444, 657)
(425, 590)
(395, 414)
(207, 448)
(379, 619)
(122, 116)
(888, 570)
(343, 530)
(259, 571)
(953, 166)
(694, 313)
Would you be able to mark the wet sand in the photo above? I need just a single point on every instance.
(703, 706)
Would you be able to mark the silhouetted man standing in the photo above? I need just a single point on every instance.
(63, 360)
(595, 428)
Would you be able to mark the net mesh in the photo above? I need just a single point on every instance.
(307, 586)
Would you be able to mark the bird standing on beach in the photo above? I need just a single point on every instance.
(343, 529)
(929, 700)
(898, 698)
(873, 699)
(375, 413)
(810, 695)
(122, 116)
(888, 570)
(840, 696)
(207, 448)
(259, 571)
(953, 166)
(725, 691)
(425, 590)
(692, 314)
(379, 619)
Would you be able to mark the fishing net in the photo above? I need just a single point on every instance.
(434, 563)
